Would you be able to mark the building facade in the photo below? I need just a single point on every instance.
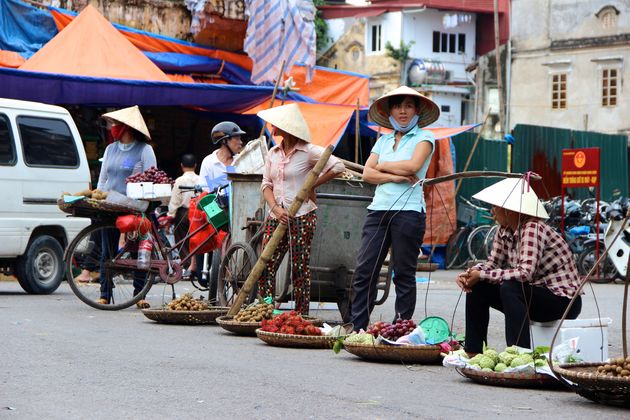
(568, 70)
(443, 39)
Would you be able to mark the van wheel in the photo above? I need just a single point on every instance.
(40, 269)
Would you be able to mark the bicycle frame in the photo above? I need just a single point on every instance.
(168, 270)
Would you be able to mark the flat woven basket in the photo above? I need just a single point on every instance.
(395, 354)
(601, 389)
(297, 341)
(206, 317)
(249, 328)
(511, 379)
(89, 207)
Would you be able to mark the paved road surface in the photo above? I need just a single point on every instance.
(64, 360)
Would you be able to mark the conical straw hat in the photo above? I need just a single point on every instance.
(513, 194)
(130, 116)
(288, 118)
(379, 110)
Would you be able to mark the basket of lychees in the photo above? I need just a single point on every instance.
(291, 330)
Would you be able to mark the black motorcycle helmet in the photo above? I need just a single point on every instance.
(224, 130)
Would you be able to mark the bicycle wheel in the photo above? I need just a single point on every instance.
(490, 239)
(121, 286)
(476, 243)
(456, 256)
(237, 263)
(586, 260)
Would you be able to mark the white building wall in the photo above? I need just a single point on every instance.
(450, 109)
(390, 31)
(419, 27)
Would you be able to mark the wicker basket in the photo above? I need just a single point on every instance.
(395, 354)
(89, 207)
(165, 316)
(297, 341)
(601, 389)
(511, 379)
(249, 328)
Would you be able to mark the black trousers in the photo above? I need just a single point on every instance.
(512, 298)
(404, 231)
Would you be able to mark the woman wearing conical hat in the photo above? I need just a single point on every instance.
(286, 169)
(530, 274)
(129, 153)
(396, 216)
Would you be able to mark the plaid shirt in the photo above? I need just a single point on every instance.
(540, 257)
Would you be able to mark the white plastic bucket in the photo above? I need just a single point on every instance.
(592, 334)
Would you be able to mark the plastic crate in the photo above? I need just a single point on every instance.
(216, 216)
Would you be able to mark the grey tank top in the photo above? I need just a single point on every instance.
(118, 165)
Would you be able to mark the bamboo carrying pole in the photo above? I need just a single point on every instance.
(278, 234)
(356, 134)
(472, 151)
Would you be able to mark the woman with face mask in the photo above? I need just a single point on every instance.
(130, 153)
(396, 216)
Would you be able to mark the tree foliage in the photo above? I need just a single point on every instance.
(399, 54)
(321, 28)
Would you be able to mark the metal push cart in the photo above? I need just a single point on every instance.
(340, 214)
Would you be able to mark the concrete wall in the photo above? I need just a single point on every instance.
(569, 38)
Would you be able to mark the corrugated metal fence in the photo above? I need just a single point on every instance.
(539, 149)
(490, 155)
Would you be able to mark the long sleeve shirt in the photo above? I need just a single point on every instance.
(118, 164)
(285, 174)
(535, 254)
(181, 198)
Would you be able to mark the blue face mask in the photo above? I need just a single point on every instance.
(408, 127)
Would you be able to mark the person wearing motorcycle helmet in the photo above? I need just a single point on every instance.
(228, 135)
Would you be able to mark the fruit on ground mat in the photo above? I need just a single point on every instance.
(290, 323)
(255, 313)
(392, 331)
(187, 303)
(618, 367)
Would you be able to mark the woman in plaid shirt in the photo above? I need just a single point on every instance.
(530, 273)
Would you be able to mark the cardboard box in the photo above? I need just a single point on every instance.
(148, 190)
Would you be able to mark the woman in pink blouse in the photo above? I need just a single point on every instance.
(286, 169)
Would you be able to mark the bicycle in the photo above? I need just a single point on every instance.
(125, 279)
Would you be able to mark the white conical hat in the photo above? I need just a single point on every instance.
(379, 111)
(513, 194)
(288, 118)
(130, 116)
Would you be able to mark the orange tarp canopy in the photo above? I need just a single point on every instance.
(327, 86)
(91, 46)
(332, 87)
(148, 43)
(10, 59)
(440, 198)
(326, 122)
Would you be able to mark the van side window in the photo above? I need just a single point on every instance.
(7, 150)
(47, 142)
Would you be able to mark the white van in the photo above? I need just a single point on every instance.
(41, 156)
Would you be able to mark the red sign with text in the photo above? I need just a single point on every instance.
(580, 167)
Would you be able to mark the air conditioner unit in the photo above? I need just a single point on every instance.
(425, 72)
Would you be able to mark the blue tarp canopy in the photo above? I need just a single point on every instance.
(79, 90)
(23, 28)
